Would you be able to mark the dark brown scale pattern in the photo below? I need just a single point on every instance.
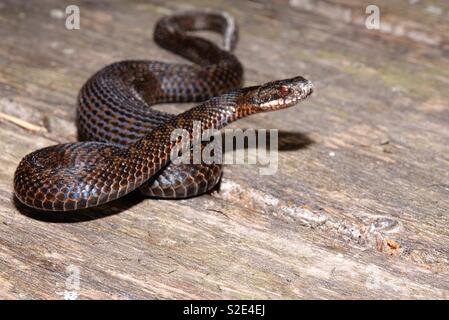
(126, 144)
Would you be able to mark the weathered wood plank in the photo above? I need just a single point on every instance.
(358, 207)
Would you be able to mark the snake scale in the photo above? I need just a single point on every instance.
(125, 144)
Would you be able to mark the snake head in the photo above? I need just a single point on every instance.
(281, 94)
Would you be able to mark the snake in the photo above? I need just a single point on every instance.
(125, 144)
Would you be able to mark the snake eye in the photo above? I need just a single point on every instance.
(284, 90)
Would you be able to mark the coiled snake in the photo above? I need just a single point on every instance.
(126, 143)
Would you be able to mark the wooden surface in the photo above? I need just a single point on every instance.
(358, 209)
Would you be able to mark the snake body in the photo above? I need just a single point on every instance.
(126, 144)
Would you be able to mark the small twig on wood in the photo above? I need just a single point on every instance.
(218, 211)
(22, 123)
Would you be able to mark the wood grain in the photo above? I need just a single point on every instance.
(358, 208)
